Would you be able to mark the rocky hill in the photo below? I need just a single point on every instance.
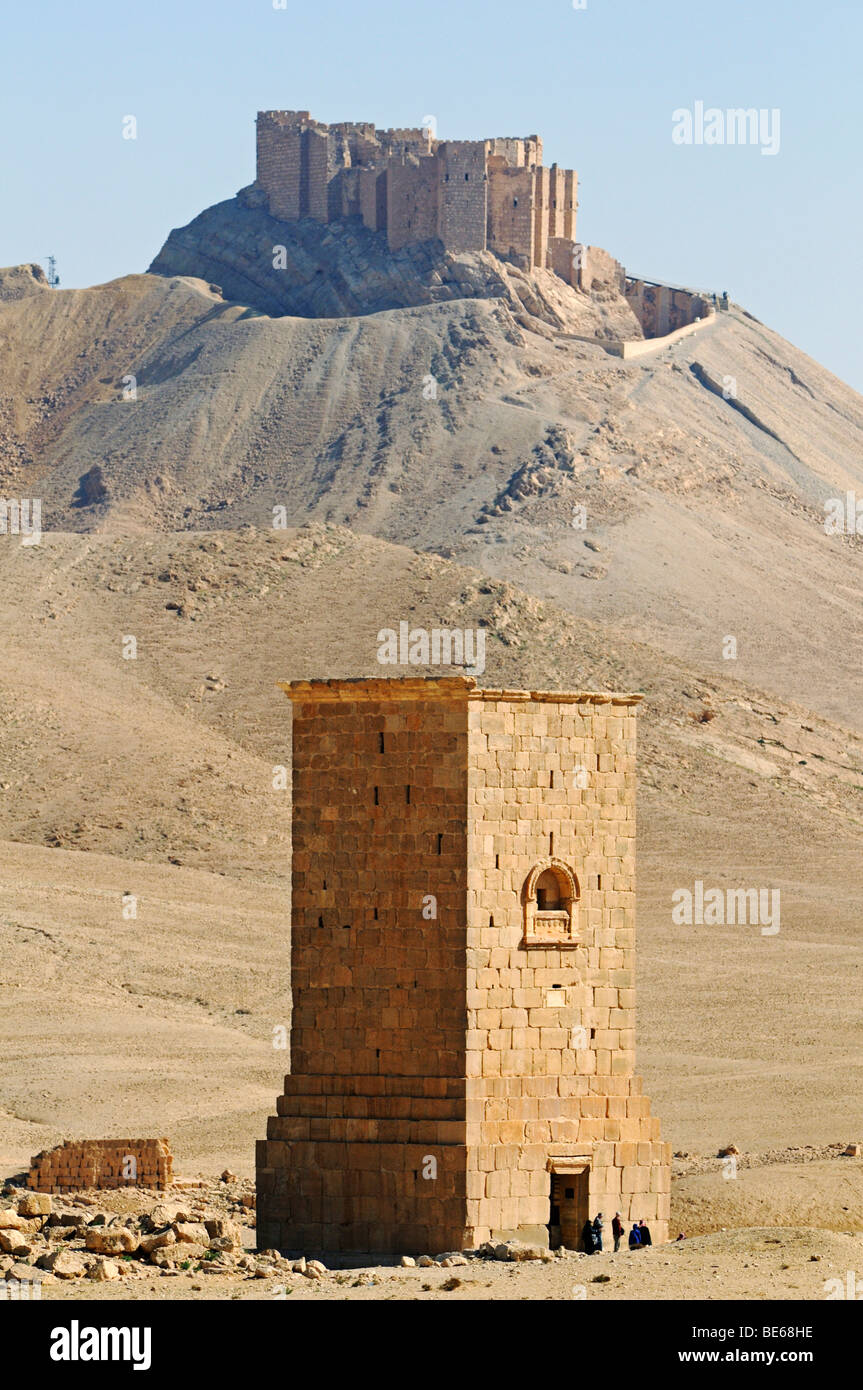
(475, 456)
(471, 430)
(308, 270)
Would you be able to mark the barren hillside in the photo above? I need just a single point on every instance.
(473, 430)
(429, 462)
(154, 777)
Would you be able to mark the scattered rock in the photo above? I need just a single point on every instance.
(64, 1263)
(191, 1232)
(35, 1204)
(11, 1221)
(162, 1216)
(15, 1243)
(58, 1233)
(221, 1228)
(407, 1262)
(67, 1218)
(157, 1240)
(111, 1240)
(103, 1270)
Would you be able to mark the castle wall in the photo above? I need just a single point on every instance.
(315, 176)
(598, 270)
(541, 202)
(463, 195)
(557, 201)
(570, 203)
(373, 198)
(412, 202)
(562, 259)
(511, 225)
(511, 152)
(470, 193)
(660, 309)
(279, 165)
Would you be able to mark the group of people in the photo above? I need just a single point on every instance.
(591, 1235)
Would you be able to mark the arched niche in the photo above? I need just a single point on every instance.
(550, 901)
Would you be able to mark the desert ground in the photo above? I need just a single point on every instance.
(151, 777)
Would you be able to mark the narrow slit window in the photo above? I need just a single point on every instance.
(380, 743)
(377, 797)
(440, 844)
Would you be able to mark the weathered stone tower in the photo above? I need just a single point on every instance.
(463, 1032)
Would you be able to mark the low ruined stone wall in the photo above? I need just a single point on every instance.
(102, 1163)
(662, 309)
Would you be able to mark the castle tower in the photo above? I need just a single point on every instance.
(463, 1030)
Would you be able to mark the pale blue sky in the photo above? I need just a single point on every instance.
(600, 84)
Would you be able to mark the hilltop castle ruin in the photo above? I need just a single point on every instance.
(472, 195)
(462, 953)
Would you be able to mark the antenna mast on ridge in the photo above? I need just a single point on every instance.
(53, 277)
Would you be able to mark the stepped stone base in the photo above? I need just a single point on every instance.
(394, 1164)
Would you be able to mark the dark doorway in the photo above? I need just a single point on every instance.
(569, 1208)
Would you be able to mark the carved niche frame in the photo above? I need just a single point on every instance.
(558, 926)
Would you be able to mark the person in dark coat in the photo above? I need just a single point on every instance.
(617, 1231)
(634, 1238)
(597, 1232)
(587, 1238)
(644, 1232)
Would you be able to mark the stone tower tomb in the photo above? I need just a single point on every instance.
(462, 954)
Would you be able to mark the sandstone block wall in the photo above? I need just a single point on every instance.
(463, 973)
(412, 206)
(551, 1025)
(662, 309)
(379, 790)
(463, 221)
(102, 1163)
(511, 223)
(413, 187)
